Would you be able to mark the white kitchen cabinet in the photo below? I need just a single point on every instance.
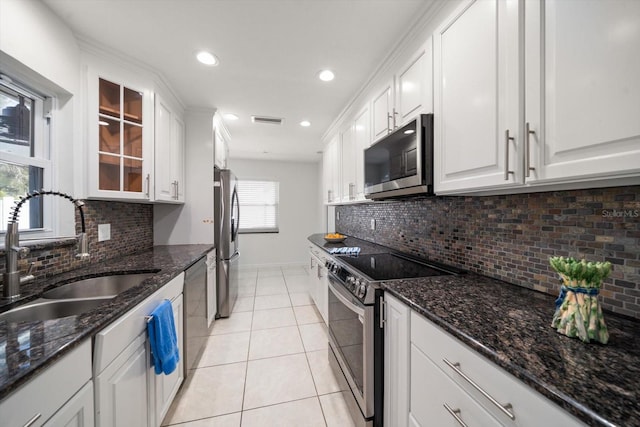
(127, 391)
(476, 88)
(438, 363)
(318, 281)
(362, 139)
(169, 153)
(332, 170)
(56, 394)
(221, 138)
(166, 386)
(382, 111)
(414, 85)
(348, 163)
(77, 412)
(120, 137)
(396, 362)
(122, 389)
(582, 89)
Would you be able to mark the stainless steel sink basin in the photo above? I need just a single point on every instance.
(41, 309)
(103, 286)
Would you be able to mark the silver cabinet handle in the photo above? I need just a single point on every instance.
(503, 408)
(311, 263)
(175, 189)
(33, 420)
(148, 189)
(389, 117)
(395, 113)
(319, 274)
(329, 196)
(527, 148)
(455, 413)
(351, 187)
(382, 313)
(507, 139)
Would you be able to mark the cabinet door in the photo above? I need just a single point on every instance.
(221, 149)
(333, 169)
(362, 139)
(166, 386)
(77, 412)
(164, 185)
(414, 85)
(382, 117)
(120, 135)
(396, 362)
(323, 292)
(476, 98)
(582, 88)
(348, 164)
(327, 179)
(177, 157)
(122, 388)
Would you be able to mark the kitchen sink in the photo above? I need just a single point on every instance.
(103, 286)
(42, 309)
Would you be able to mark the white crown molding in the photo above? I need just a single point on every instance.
(419, 25)
(92, 46)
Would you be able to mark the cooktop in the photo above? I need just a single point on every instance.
(389, 266)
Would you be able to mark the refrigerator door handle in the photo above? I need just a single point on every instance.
(234, 257)
(235, 224)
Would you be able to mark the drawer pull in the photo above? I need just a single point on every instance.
(504, 408)
(33, 420)
(455, 413)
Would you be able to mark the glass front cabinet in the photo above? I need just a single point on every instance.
(120, 117)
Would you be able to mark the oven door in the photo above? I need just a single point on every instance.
(351, 339)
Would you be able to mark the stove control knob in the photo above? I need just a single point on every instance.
(362, 290)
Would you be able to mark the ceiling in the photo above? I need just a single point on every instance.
(270, 53)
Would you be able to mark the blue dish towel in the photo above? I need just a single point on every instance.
(163, 339)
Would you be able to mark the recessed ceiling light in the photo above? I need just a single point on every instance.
(326, 75)
(207, 58)
(230, 116)
(305, 123)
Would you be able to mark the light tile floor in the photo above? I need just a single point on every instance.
(266, 365)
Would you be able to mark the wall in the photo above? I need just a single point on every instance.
(39, 50)
(512, 237)
(131, 231)
(299, 210)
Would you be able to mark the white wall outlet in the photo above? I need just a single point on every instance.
(104, 232)
(373, 224)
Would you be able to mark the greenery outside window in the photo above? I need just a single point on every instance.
(258, 202)
(24, 156)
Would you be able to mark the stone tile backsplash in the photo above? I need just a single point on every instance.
(131, 231)
(511, 237)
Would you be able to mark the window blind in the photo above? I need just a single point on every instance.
(258, 206)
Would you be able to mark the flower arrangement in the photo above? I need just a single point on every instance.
(578, 313)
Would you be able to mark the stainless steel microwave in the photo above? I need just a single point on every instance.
(401, 163)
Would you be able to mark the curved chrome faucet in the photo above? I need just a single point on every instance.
(13, 251)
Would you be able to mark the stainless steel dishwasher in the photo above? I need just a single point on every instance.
(196, 330)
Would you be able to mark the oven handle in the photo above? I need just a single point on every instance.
(344, 298)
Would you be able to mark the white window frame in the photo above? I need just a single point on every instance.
(243, 212)
(41, 157)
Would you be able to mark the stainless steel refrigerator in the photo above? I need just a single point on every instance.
(227, 218)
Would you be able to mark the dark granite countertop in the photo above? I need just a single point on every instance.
(30, 347)
(511, 326)
(365, 247)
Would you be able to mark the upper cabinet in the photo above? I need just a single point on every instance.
(407, 94)
(582, 91)
(476, 97)
(348, 164)
(120, 138)
(362, 139)
(169, 153)
(332, 171)
(564, 110)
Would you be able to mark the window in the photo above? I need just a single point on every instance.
(258, 206)
(24, 155)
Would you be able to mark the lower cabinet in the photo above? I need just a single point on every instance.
(433, 379)
(61, 395)
(319, 282)
(127, 390)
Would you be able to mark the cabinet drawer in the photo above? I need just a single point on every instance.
(431, 390)
(528, 407)
(45, 394)
(112, 340)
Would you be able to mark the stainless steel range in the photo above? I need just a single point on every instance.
(356, 339)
